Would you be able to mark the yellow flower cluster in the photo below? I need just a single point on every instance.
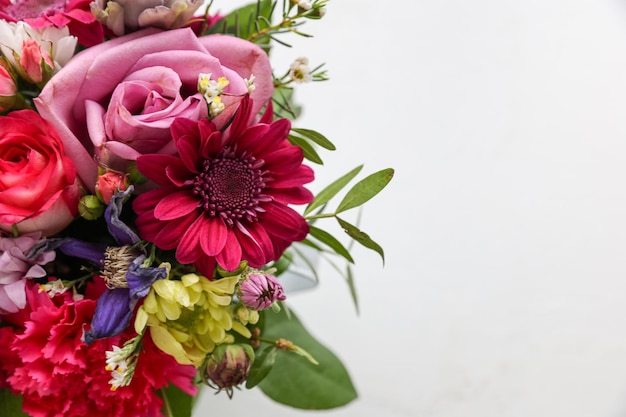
(187, 318)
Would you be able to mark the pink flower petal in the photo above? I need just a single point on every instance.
(175, 205)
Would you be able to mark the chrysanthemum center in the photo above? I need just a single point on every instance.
(231, 187)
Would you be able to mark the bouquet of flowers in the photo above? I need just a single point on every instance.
(152, 196)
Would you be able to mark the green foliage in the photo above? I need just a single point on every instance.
(176, 403)
(10, 404)
(293, 380)
(365, 189)
(330, 191)
(263, 364)
(246, 21)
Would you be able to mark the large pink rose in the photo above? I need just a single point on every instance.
(39, 190)
(117, 100)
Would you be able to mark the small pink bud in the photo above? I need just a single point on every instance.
(33, 60)
(260, 290)
(8, 89)
(109, 183)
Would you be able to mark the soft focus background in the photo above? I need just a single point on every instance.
(503, 290)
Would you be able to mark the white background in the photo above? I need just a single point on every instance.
(503, 290)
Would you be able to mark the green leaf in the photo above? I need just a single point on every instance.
(284, 103)
(262, 365)
(352, 286)
(329, 192)
(11, 404)
(365, 189)
(361, 237)
(242, 22)
(309, 151)
(331, 241)
(176, 403)
(316, 137)
(296, 382)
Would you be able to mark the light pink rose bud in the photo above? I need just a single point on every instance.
(8, 89)
(260, 290)
(34, 62)
(110, 183)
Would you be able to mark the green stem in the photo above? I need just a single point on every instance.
(166, 404)
(320, 216)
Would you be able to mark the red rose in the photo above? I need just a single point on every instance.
(39, 190)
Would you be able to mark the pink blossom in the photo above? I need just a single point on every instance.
(33, 60)
(118, 99)
(16, 266)
(8, 89)
(260, 290)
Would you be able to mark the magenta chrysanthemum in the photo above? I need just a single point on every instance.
(225, 197)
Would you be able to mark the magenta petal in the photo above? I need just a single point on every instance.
(213, 236)
(230, 257)
(285, 223)
(153, 167)
(189, 249)
(250, 248)
(176, 205)
(169, 233)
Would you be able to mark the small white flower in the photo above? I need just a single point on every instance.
(304, 4)
(211, 90)
(53, 288)
(299, 70)
(121, 363)
(250, 84)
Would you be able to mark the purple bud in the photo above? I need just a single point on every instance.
(259, 291)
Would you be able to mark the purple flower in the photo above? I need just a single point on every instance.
(19, 261)
(126, 277)
(260, 290)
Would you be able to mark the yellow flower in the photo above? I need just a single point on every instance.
(187, 318)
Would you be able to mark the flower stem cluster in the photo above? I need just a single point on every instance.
(293, 13)
(121, 362)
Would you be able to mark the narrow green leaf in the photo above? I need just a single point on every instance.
(240, 22)
(352, 286)
(329, 192)
(309, 151)
(296, 382)
(316, 137)
(361, 237)
(365, 189)
(179, 403)
(10, 404)
(262, 365)
(331, 241)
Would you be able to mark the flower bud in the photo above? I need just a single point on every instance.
(90, 207)
(229, 366)
(8, 89)
(260, 290)
(110, 183)
(125, 16)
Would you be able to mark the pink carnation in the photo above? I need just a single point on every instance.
(58, 375)
(16, 267)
